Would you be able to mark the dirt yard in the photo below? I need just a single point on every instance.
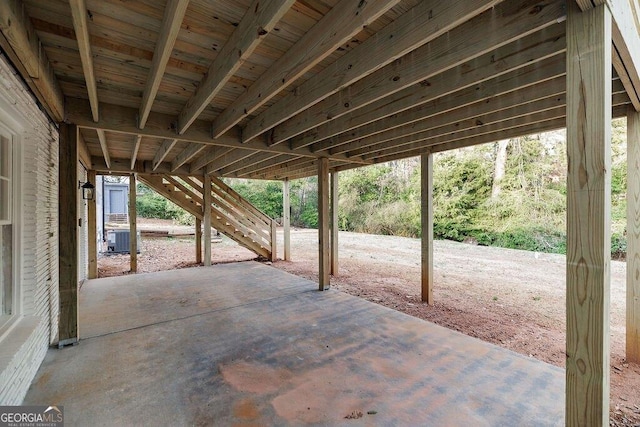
(515, 299)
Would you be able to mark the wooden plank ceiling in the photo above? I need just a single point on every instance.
(262, 89)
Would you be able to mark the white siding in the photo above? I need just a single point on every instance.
(23, 348)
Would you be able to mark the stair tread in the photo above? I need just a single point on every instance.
(251, 225)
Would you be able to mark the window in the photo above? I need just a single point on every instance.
(6, 229)
(5, 179)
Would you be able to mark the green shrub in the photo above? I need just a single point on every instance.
(153, 205)
(618, 246)
(538, 240)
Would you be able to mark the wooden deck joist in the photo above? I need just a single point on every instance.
(181, 92)
(515, 88)
(358, 95)
(19, 41)
(79, 13)
(119, 119)
(509, 21)
(173, 15)
(510, 58)
(334, 29)
(416, 27)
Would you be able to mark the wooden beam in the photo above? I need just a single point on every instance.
(294, 170)
(186, 155)
(163, 151)
(123, 166)
(301, 173)
(423, 23)
(278, 172)
(286, 218)
(455, 143)
(228, 159)
(324, 256)
(20, 42)
(459, 141)
(103, 146)
(206, 206)
(588, 215)
(626, 38)
(208, 156)
(338, 26)
(83, 152)
(122, 120)
(509, 127)
(504, 119)
(134, 151)
(279, 169)
(426, 197)
(79, 15)
(509, 21)
(68, 244)
(273, 233)
(92, 232)
(507, 59)
(618, 65)
(260, 19)
(589, 4)
(174, 12)
(128, 51)
(541, 80)
(248, 162)
(633, 236)
(198, 241)
(279, 159)
(133, 226)
(334, 224)
(472, 103)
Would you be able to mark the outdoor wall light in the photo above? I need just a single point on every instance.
(88, 190)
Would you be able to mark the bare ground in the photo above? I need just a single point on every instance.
(515, 299)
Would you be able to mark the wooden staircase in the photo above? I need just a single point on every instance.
(231, 215)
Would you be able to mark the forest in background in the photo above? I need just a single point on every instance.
(510, 193)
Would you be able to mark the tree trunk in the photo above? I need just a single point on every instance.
(498, 172)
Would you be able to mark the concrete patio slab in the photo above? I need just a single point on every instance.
(247, 344)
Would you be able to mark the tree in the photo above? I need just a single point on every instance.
(499, 169)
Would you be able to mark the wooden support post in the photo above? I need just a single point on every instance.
(92, 231)
(198, 241)
(426, 185)
(68, 232)
(274, 241)
(588, 214)
(633, 236)
(286, 219)
(133, 225)
(334, 223)
(206, 206)
(323, 223)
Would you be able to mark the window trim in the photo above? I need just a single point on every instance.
(12, 126)
(8, 177)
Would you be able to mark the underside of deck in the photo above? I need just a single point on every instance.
(247, 343)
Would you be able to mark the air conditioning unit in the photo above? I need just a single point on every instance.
(118, 241)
